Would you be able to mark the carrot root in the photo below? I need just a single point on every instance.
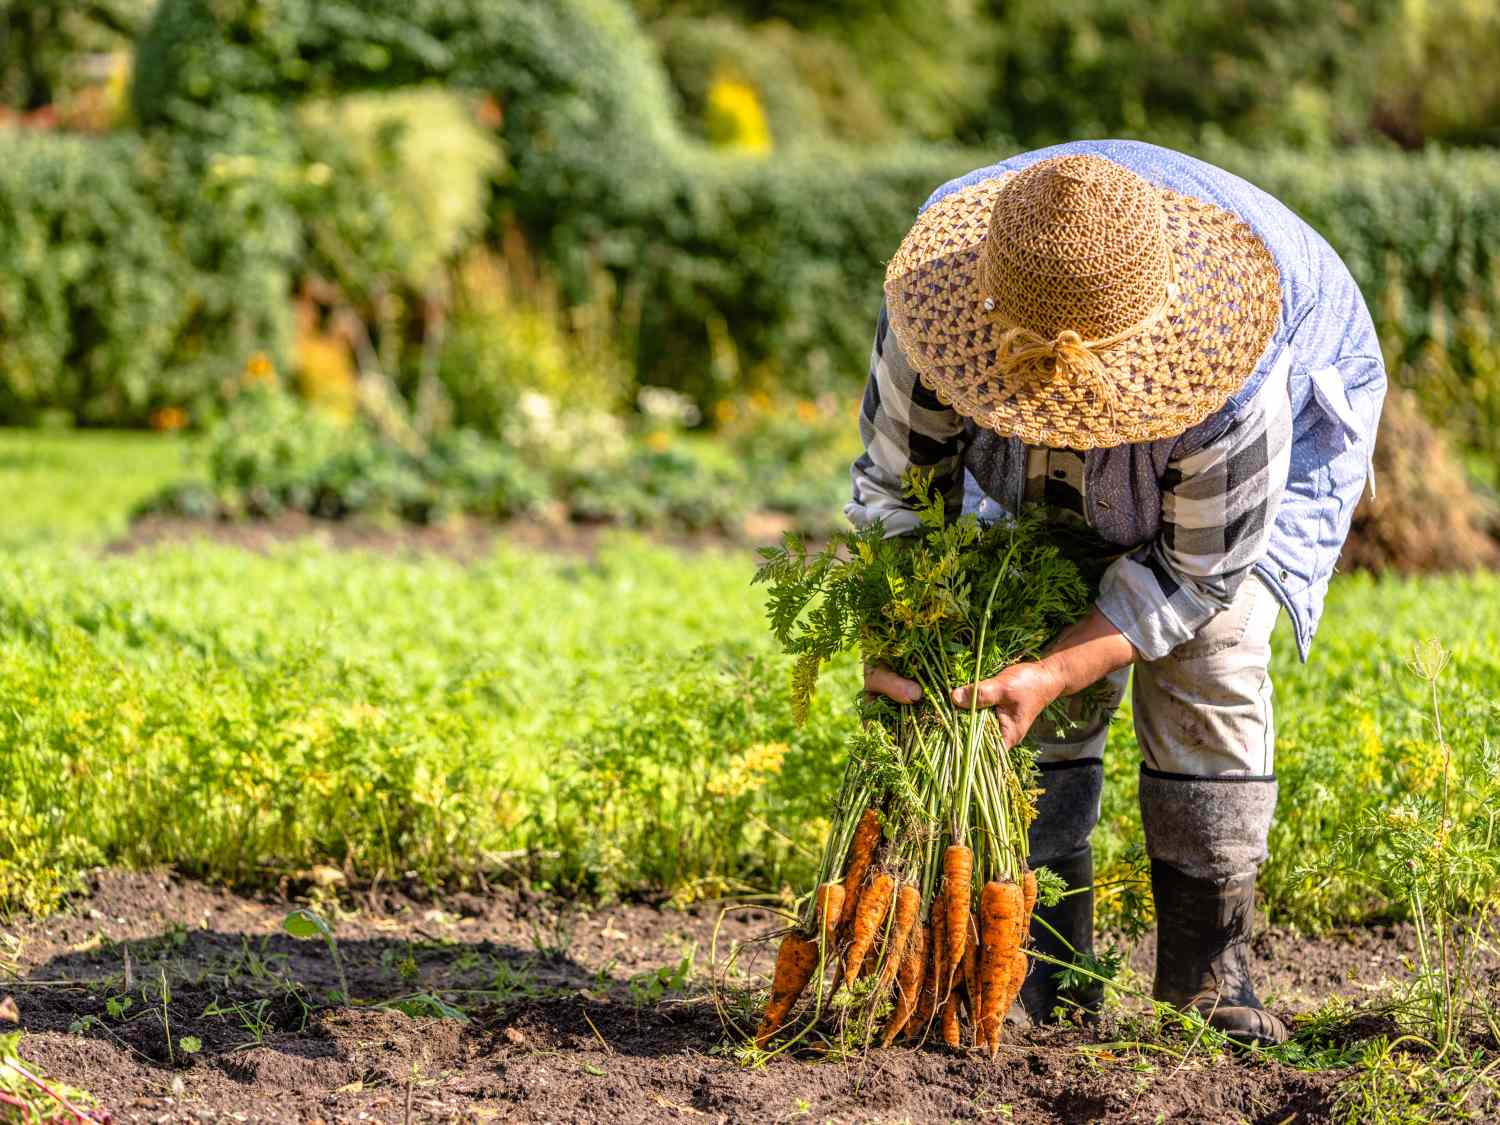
(795, 962)
(908, 907)
(909, 983)
(873, 907)
(1000, 907)
(861, 854)
(830, 905)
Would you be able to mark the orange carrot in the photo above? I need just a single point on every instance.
(958, 874)
(795, 962)
(1028, 901)
(861, 852)
(830, 905)
(908, 906)
(873, 906)
(932, 993)
(1019, 965)
(909, 982)
(999, 936)
(952, 1033)
(971, 970)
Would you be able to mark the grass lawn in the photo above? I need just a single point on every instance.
(79, 486)
(621, 720)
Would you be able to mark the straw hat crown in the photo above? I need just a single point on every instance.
(1076, 244)
(1075, 304)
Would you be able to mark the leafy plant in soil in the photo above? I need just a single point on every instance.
(931, 819)
(1437, 851)
(28, 1095)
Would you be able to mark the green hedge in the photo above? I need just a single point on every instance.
(126, 282)
(742, 269)
(782, 257)
(779, 260)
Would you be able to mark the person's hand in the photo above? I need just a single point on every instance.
(1018, 695)
(880, 680)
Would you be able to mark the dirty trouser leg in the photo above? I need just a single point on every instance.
(1208, 791)
(1071, 761)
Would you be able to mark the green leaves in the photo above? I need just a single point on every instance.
(305, 924)
(910, 602)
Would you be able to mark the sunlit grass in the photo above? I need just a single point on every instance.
(244, 715)
(65, 485)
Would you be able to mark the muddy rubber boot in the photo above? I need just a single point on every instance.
(1073, 919)
(1203, 953)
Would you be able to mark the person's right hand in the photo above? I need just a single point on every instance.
(880, 680)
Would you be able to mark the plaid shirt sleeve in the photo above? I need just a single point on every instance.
(902, 425)
(1218, 506)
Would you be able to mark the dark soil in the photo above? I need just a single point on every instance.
(465, 539)
(563, 1024)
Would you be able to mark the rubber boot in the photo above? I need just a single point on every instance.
(1067, 810)
(1073, 919)
(1203, 952)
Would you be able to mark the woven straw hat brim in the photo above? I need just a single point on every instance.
(1167, 379)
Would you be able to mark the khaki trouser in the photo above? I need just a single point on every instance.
(1204, 724)
(1203, 710)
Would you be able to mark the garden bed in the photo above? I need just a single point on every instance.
(568, 1018)
(464, 539)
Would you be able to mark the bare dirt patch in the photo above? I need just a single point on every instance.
(465, 539)
(561, 1022)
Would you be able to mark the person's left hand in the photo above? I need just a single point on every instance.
(1018, 695)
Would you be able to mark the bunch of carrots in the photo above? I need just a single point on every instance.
(924, 898)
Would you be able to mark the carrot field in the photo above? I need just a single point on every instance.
(601, 723)
(384, 731)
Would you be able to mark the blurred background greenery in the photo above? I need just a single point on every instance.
(616, 261)
(619, 259)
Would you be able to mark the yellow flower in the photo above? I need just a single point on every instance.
(807, 411)
(734, 118)
(260, 370)
(745, 769)
(658, 441)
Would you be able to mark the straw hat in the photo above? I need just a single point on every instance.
(1075, 305)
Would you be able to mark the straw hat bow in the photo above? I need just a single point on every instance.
(1074, 304)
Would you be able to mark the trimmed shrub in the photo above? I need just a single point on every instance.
(128, 281)
(406, 188)
(89, 278)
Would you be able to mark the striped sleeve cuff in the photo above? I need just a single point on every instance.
(1136, 596)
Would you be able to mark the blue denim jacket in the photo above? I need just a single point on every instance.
(1336, 381)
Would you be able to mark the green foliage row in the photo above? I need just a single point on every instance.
(271, 453)
(1356, 741)
(239, 715)
(244, 716)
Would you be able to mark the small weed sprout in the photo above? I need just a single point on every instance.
(309, 924)
(649, 988)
